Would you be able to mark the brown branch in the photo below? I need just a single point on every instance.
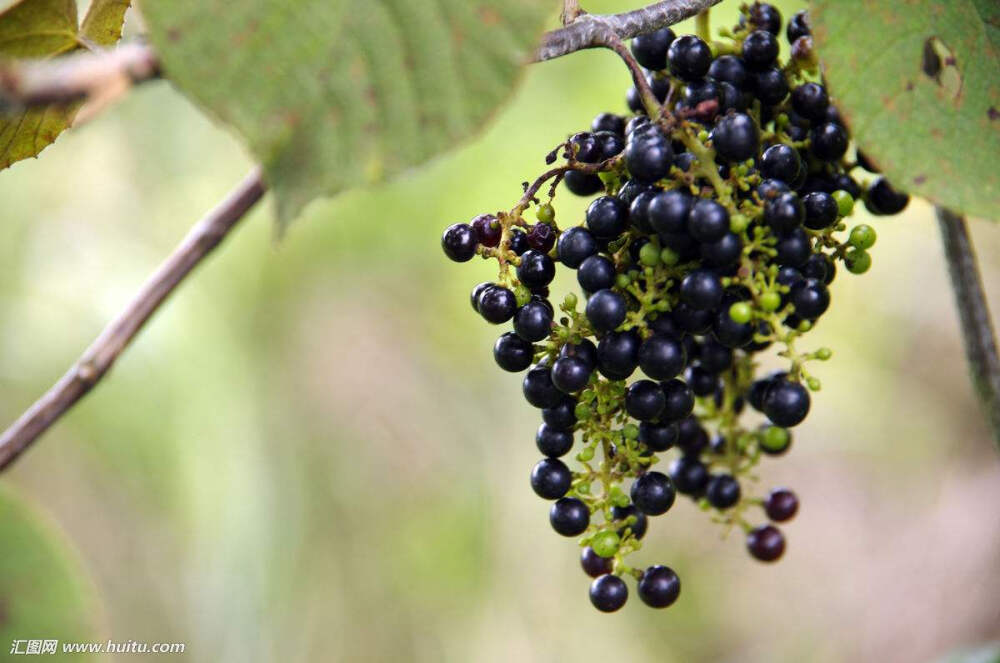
(63, 80)
(101, 355)
(973, 315)
(590, 30)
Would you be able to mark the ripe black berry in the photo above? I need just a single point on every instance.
(536, 269)
(550, 478)
(810, 100)
(459, 242)
(701, 289)
(497, 304)
(770, 85)
(766, 543)
(574, 246)
(553, 442)
(608, 593)
(722, 491)
(538, 388)
(611, 144)
(730, 333)
(820, 209)
(659, 587)
(689, 58)
(708, 221)
(541, 237)
(781, 505)
(644, 400)
(828, 141)
(679, 400)
(658, 437)
(786, 403)
(476, 292)
(585, 148)
(662, 357)
(784, 213)
(593, 564)
(596, 273)
(625, 512)
(582, 184)
(518, 241)
(608, 122)
(650, 50)
(764, 16)
(760, 49)
(722, 252)
(798, 26)
(560, 417)
(606, 310)
(810, 298)
(570, 374)
(736, 136)
(794, 248)
(512, 353)
(883, 199)
(569, 516)
(618, 354)
(648, 156)
(607, 217)
(653, 493)
(668, 211)
(780, 162)
(689, 475)
(729, 69)
(533, 321)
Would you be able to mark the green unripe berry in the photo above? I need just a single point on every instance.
(622, 280)
(738, 223)
(845, 202)
(545, 213)
(804, 326)
(569, 301)
(703, 136)
(582, 411)
(775, 438)
(862, 237)
(631, 432)
(522, 295)
(741, 312)
(770, 301)
(587, 454)
(583, 489)
(649, 255)
(813, 384)
(668, 256)
(824, 353)
(858, 261)
(605, 543)
(617, 497)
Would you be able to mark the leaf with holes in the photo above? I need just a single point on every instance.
(330, 94)
(919, 84)
(44, 591)
(45, 28)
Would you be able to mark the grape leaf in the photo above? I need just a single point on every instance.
(333, 93)
(45, 28)
(919, 84)
(44, 592)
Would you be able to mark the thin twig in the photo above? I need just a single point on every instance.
(589, 30)
(101, 355)
(974, 316)
(64, 80)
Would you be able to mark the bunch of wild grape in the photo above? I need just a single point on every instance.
(717, 232)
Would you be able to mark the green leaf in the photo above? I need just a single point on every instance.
(330, 94)
(45, 28)
(919, 84)
(44, 592)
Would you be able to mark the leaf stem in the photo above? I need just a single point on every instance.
(973, 315)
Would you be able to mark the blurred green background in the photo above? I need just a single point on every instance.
(310, 455)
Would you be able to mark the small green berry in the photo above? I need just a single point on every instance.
(668, 256)
(804, 326)
(824, 353)
(582, 411)
(569, 302)
(862, 237)
(631, 432)
(813, 384)
(649, 255)
(770, 301)
(617, 497)
(858, 261)
(845, 202)
(587, 454)
(605, 543)
(622, 280)
(546, 213)
(741, 312)
(738, 223)
(775, 438)
(703, 136)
